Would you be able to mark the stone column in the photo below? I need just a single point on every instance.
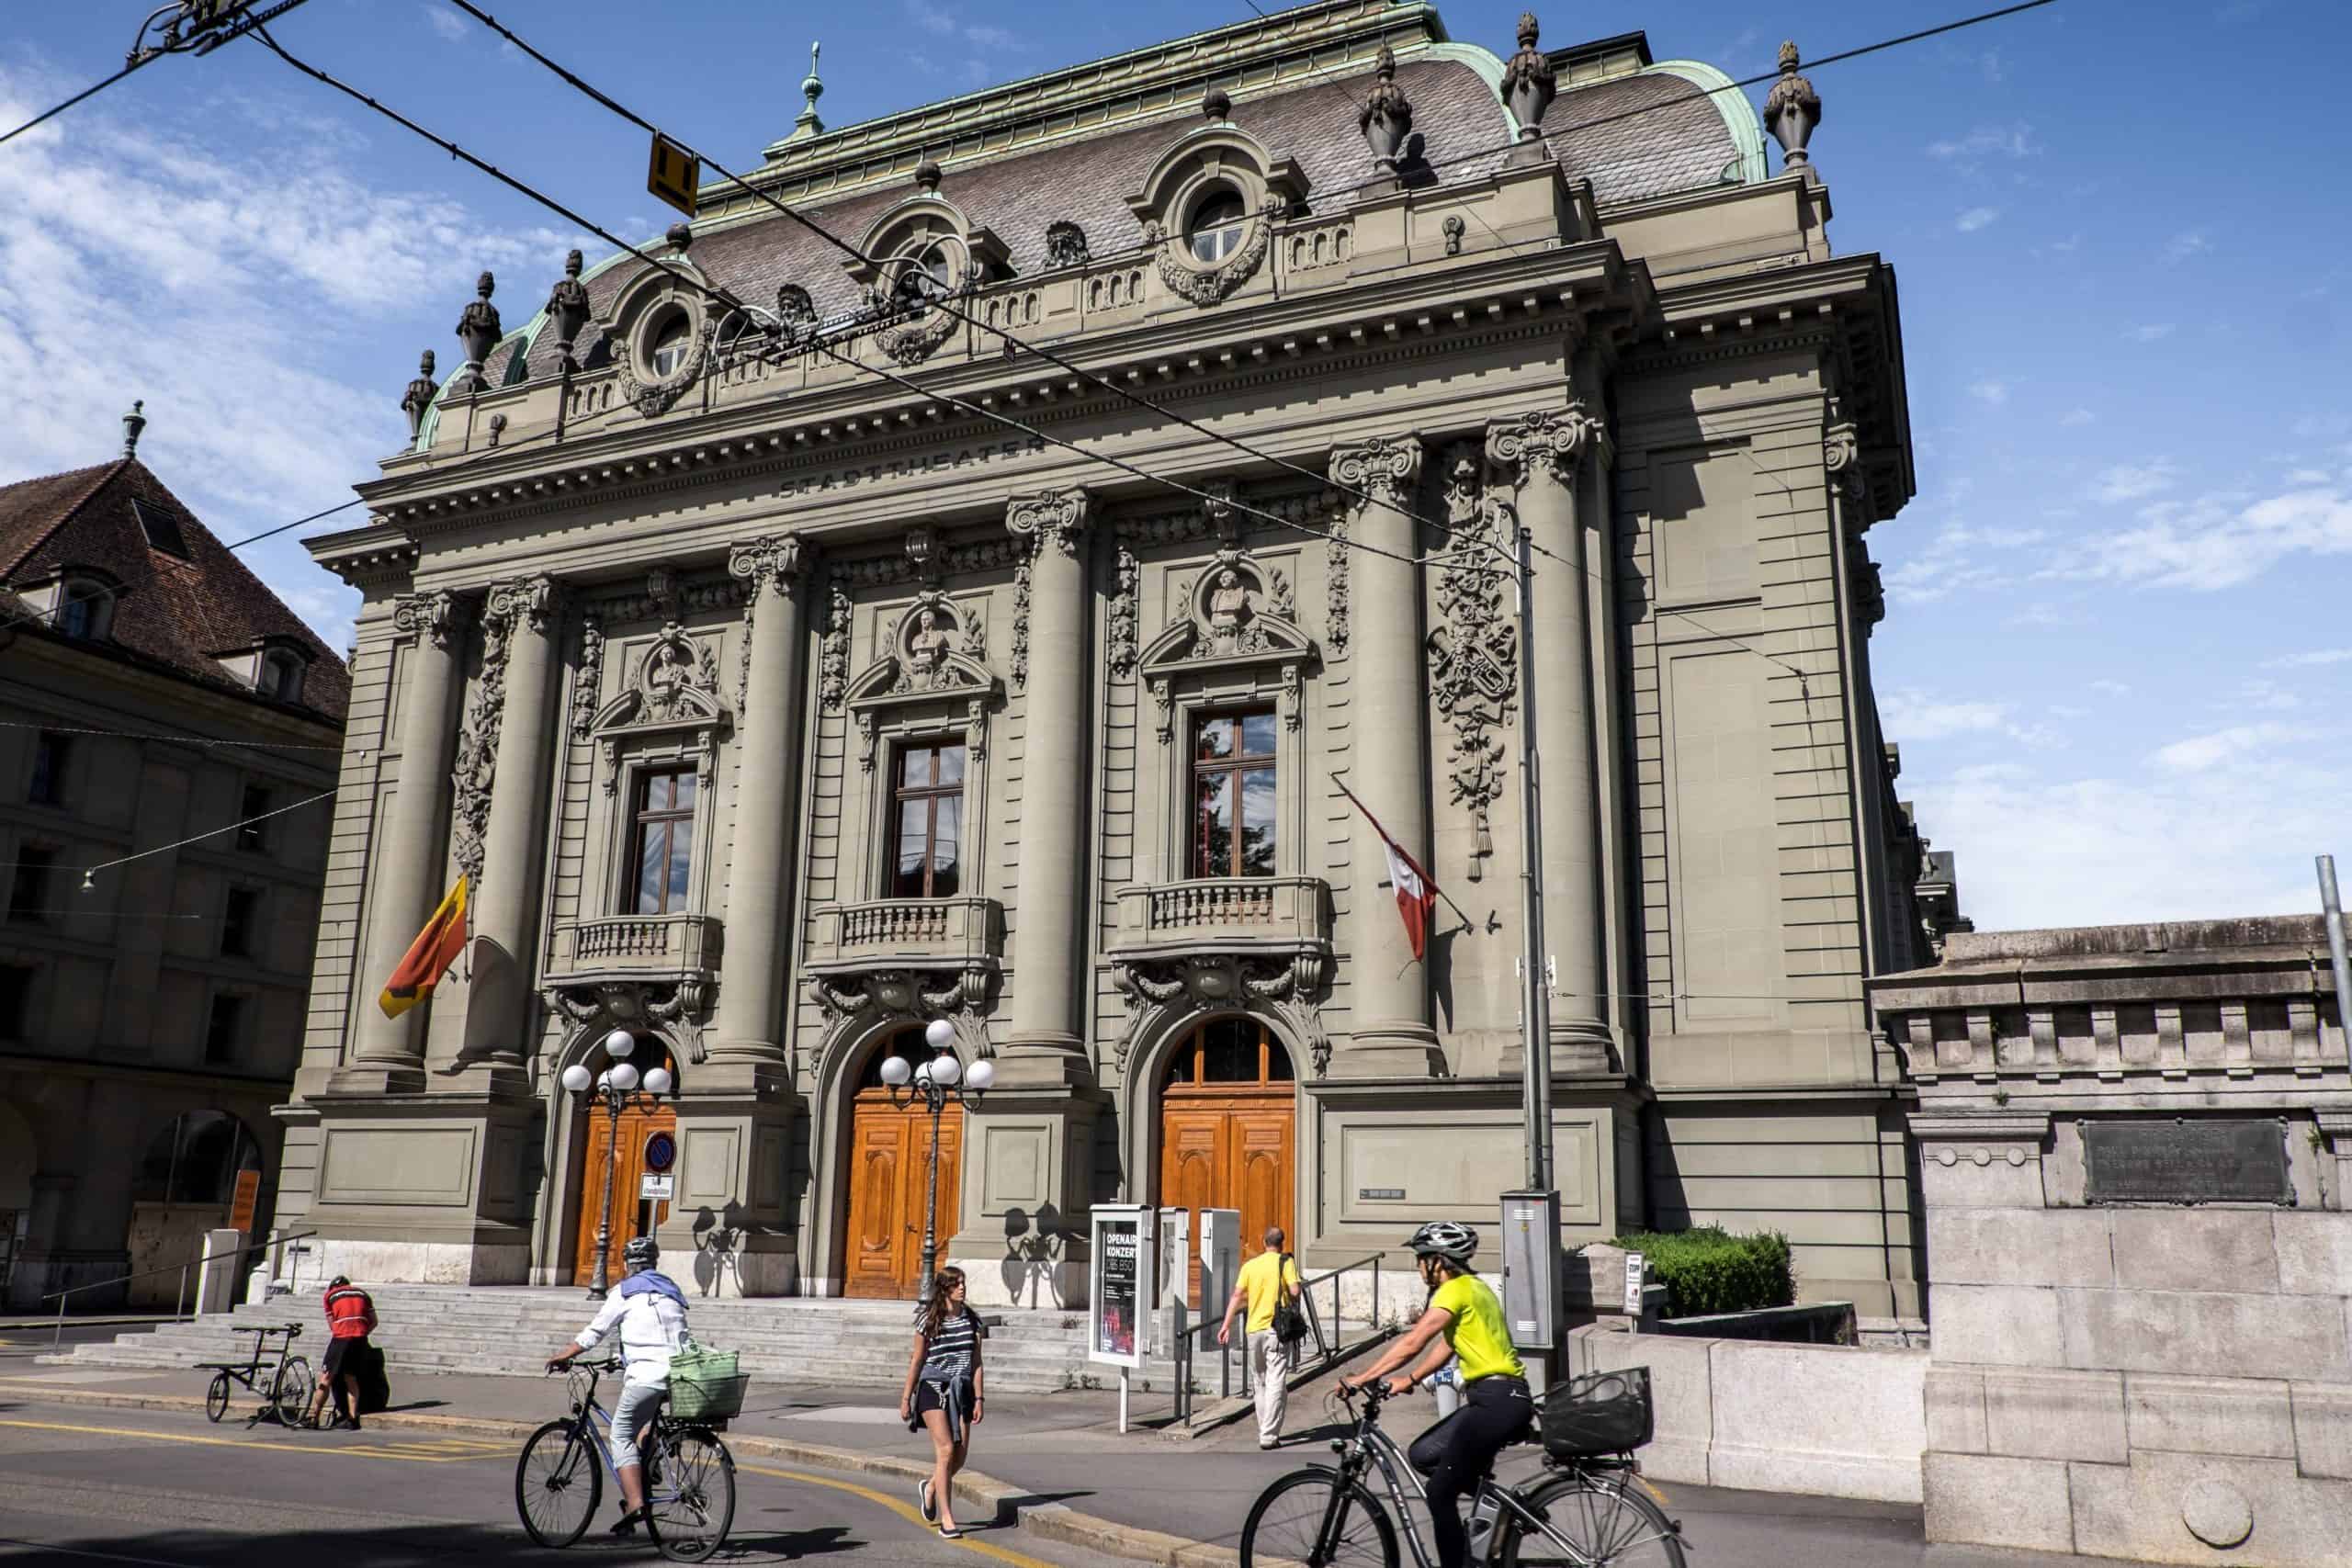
(1544, 454)
(1046, 1045)
(518, 661)
(1388, 988)
(406, 864)
(751, 991)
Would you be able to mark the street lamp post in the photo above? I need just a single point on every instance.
(618, 1088)
(930, 1088)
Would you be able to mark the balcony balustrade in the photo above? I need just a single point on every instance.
(1225, 914)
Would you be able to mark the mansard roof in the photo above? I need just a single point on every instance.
(178, 613)
(1645, 131)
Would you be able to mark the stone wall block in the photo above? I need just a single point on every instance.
(1964, 1184)
(1990, 1501)
(1681, 1396)
(2314, 1250)
(2170, 1331)
(2209, 1416)
(1955, 1402)
(2195, 1249)
(1819, 1419)
(2142, 1511)
(2052, 1414)
(2020, 1246)
(2322, 1414)
(2008, 1325)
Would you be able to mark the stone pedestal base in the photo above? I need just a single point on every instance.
(1042, 1061)
(1573, 1054)
(423, 1188)
(1404, 1051)
(726, 1234)
(1026, 1188)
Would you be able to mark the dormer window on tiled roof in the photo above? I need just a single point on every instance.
(280, 676)
(162, 529)
(85, 608)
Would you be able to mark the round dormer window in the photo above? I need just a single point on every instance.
(667, 345)
(1213, 231)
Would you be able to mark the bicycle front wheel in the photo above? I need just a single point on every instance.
(1590, 1521)
(216, 1397)
(289, 1396)
(558, 1485)
(1313, 1517)
(690, 1501)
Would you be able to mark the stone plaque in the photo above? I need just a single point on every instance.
(2179, 1160)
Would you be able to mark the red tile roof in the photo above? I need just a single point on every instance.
(174, 612)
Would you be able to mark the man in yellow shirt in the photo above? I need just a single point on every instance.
(1266, 1281)
(1464, 1320)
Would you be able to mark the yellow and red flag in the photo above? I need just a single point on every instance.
(429, 956)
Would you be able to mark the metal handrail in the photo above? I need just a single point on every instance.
(58, 1338)
(1327, 1347)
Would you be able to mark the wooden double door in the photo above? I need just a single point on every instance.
(890, 1150)
(1229, 1131)
(624, 1152)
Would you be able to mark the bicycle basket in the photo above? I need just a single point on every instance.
(1599, 1413)
(704, 1385)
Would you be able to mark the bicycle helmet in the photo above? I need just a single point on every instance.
(641, 1253)
(1443, 1238)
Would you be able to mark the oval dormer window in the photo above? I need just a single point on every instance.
(1215, 231)
(671, 341)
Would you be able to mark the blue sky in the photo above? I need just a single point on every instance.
(2117, 655)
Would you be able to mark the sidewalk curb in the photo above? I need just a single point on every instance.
(1056, 1522)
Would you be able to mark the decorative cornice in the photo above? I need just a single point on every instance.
(770, 563)
(1386, 467)
(436, 617)
(1061, 515)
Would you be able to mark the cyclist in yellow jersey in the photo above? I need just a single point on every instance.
(1464, 1320)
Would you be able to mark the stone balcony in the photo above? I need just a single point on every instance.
(1236, 915)
(635, 947)
(918, 932)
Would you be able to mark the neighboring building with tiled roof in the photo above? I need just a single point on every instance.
(169, 735)
(797, 662)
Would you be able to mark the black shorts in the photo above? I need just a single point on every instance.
(928, 1397)
(339, 1353)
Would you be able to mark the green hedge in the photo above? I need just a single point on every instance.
(1709, 1270)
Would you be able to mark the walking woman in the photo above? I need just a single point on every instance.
(943, 1392)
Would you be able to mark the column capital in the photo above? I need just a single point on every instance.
(436, 617)
(1062, 516)
(1384, 465)
(515, 601)
(772, 562)
(1842, 455)
(1558, 438)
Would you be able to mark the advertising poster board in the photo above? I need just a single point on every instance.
(1118, 1331)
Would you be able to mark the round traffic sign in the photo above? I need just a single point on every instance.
(660, 1151)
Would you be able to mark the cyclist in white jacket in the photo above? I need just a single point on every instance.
(649, 1312)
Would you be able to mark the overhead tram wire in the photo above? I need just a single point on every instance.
(204, 43)
(728, 299)
(92, 90)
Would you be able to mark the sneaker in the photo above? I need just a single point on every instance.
(627, 1524)
(922, 1496)
(1269, 1443)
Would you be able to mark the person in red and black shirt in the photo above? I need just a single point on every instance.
(351, 1316)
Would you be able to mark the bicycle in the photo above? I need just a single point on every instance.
(1586, 1511)
(291, 1383)
(689, 1475)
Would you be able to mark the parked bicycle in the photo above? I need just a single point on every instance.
(1588, 1510)
(285, 1387)
(689, 1475)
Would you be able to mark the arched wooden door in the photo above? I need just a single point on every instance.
(1227, 1130)
(889, 1170)
(628, 1152)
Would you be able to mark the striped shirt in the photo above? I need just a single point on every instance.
(951, 1351)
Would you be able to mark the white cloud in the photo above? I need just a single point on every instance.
(2187, 243)
(2151, 331)
(2217, 541)
(2309, 660)
(2072, 418)
(1988, 141)
(2071, 243)
(1909, 715)
(446, 22)
(946, 23)
(2240, 743)
(1989, 390)
(2111, 688)
(1975, 218)
(2309, 476)
(2132, 482)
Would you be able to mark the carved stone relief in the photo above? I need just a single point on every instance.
(959, 993)
(937, 651)
(1126, 602)
(1231, 617)
(1210, 285)
(1286, 988)
(680, 1007)
(474, 766)
(674, 688)
(832, 660)
(1473, 650)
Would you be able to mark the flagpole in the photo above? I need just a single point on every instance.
(1535, 994)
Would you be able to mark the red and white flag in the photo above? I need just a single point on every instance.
(1416, 897)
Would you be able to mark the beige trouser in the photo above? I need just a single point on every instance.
(1270, 1365)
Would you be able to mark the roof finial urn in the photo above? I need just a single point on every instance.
(1790, 111)
(419, 396)
(567, 308)
(480, 331)
(927, 175)
(132, 424)
(811, 88)
(1386, 117)
(1216, 104)
(1529, 82)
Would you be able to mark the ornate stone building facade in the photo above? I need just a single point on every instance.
(795, 658)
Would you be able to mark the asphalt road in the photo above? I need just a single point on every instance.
(81, 1485)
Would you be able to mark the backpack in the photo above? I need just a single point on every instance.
(1290, 1320)
(375, 1387)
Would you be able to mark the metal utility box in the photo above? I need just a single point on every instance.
(1175, 1263)
(1531, 1249)
(1220, 1259)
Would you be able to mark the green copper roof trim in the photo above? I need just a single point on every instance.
(1739, 116)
